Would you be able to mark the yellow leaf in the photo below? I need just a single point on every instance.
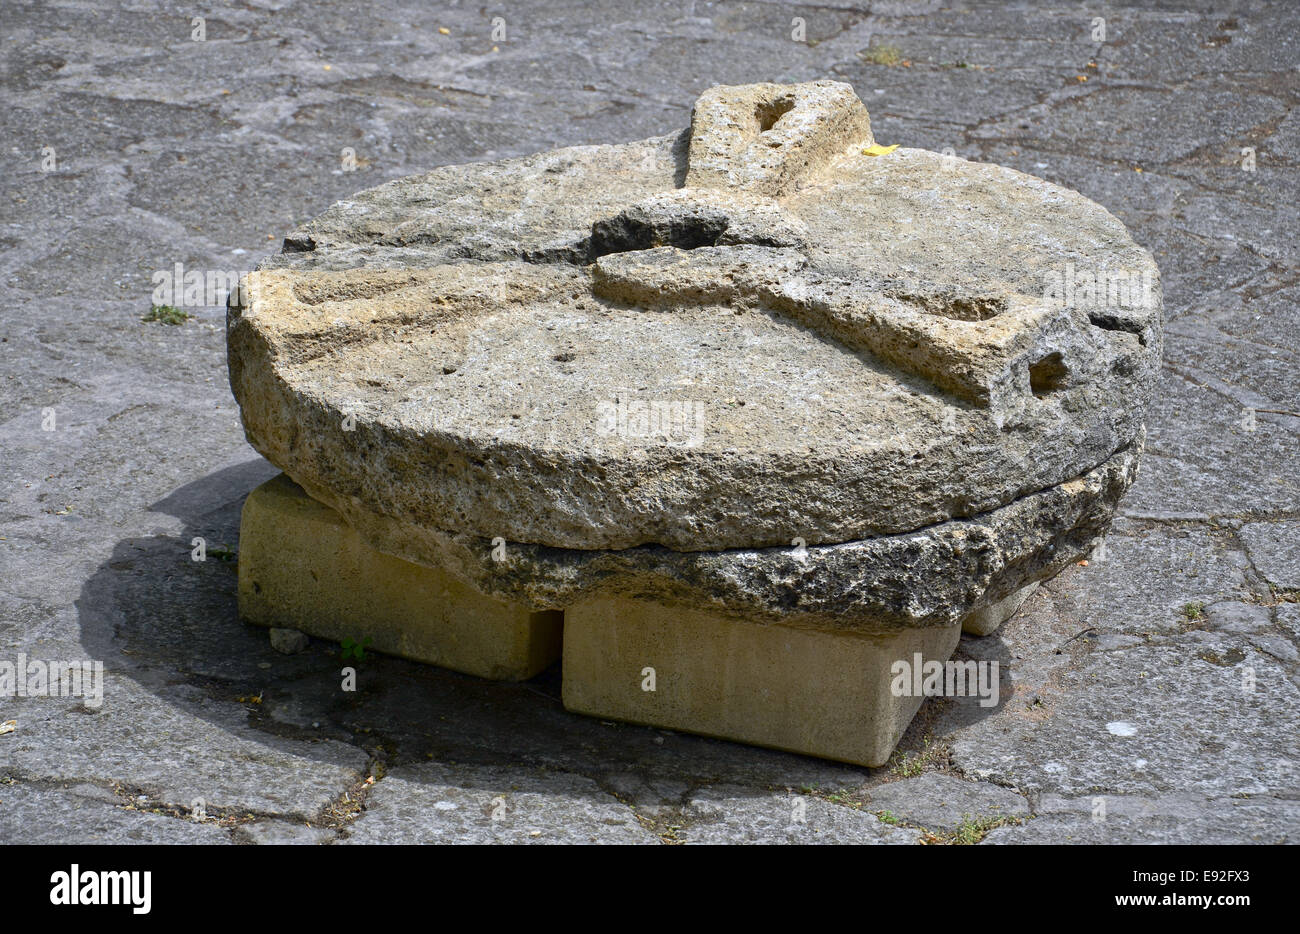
(877, 150)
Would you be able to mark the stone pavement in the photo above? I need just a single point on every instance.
(1150, 696)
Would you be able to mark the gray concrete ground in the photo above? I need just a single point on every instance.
(1150, 696)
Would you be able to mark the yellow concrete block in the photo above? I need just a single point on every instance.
(819, 693)
(302, 567)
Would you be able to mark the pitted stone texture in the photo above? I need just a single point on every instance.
(570, 350)
(695, 217)
(539, 208)
(936, 577)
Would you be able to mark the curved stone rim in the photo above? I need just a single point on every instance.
(480, 485)
(932, 577)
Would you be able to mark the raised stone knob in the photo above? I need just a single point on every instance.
(764, 138)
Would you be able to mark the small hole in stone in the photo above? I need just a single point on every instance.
(565, 357)
(769, 112)
(1048, 375)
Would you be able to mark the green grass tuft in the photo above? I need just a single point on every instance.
(167, 314)
(882, 55)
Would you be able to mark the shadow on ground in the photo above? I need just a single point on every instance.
(175, 619)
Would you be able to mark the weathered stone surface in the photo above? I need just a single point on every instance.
(282, 833)
(943, 802)
(42, 814)
(837, 383)
(734, 814)
(931, 430)
(931, 579)
(159, 164)
(1153, 577)
(1186, 712)
(463, 804)
(1202, 460)
(762, 139)
(1288, 617)
(1169, 819)
(227, 763)
(1274, 550)
(1231, 616)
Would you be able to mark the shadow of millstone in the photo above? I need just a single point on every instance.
(176, 621)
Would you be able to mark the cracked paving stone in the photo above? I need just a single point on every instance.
(87, 815)
(176, 745)
(1198, 273)
(1167, 819)
(1151, 46)
(1254, 374)
(1202, 712)
(282, 833)
(208, 153)
(1285, 141)
(1200, 459)
(1147, 573)
(1266, 317)
(735, 814)
(440, 803)
(1138, 124)
(1232, 616)
(424, 711)
(1288, 617)
(942, 802)
(1274, 549)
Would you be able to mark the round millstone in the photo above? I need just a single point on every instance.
(751, 336)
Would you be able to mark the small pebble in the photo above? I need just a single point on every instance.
(289, 641)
